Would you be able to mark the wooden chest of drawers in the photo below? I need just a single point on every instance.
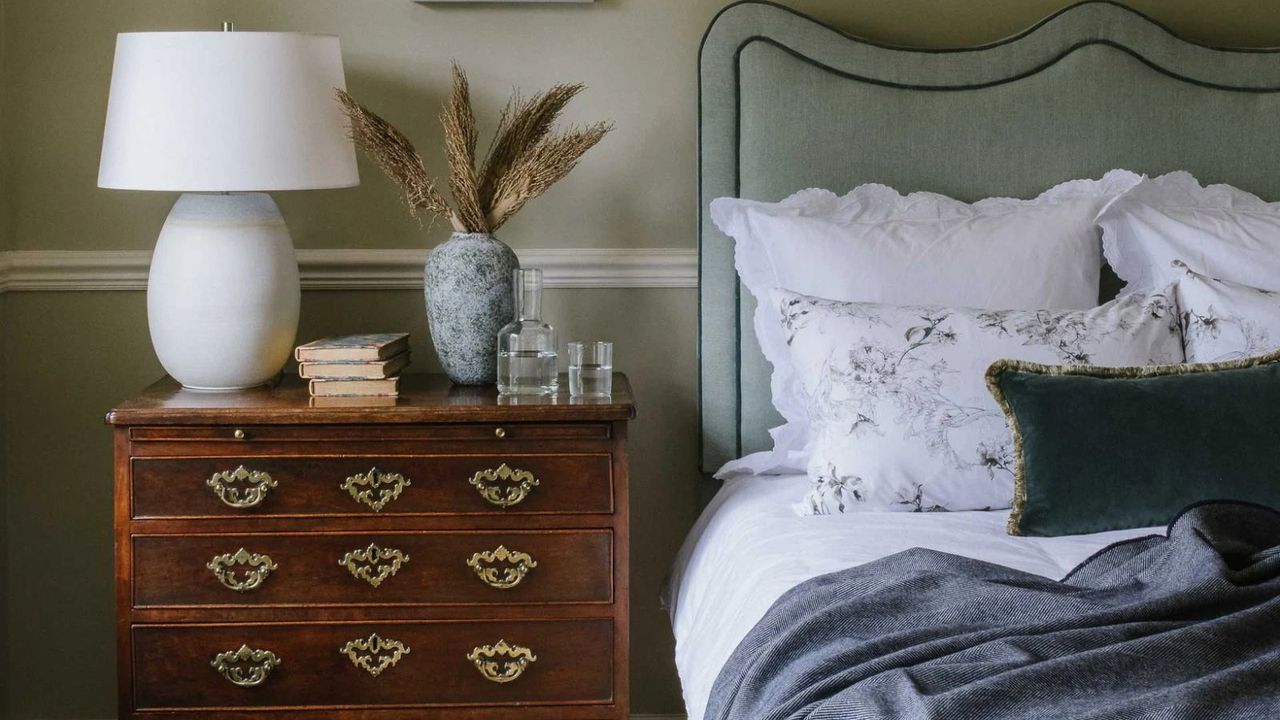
(452, 555)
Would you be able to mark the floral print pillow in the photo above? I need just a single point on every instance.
(1224, 320)
(901, 414)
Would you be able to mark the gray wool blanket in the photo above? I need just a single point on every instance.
(1183, 626)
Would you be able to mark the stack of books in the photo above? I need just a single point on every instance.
(354, 365)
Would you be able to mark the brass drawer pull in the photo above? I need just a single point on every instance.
(501, 662)
(375, 654)
(373, 564)
(375, 488)
(259, 567)
(502, 568)
(504, 486)
(228, 486)
(246, 667)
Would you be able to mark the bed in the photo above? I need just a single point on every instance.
(789, 103)
(748, 549)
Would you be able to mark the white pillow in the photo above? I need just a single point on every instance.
(876, 245)
(902, 418)
(1226, 321)
(1219, 230)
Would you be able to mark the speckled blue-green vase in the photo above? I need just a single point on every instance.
(468, 287)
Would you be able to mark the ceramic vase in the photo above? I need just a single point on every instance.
(469, 298)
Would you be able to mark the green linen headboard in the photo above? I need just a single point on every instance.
(787, 103)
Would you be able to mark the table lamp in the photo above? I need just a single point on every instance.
(225, 117)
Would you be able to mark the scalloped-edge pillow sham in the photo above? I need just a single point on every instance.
(1100, 449)
(1224, 320)
(1221, 231)
(877, 245)
(902, 418)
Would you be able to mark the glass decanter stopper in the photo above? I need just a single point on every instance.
(527, 361)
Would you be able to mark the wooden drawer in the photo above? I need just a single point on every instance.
(524, 483)
(250, 435)
(570, 662)
(385, 568)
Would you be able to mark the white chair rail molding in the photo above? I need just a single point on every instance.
(563, 268)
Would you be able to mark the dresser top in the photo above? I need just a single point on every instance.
(423, 399)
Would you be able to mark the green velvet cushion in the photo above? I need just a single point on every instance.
(1111, 448)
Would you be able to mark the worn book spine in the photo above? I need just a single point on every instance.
(343, 388)
(354, 401)
(354, 371)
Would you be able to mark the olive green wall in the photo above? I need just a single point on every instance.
(4, 434)
(69, 356)
(4, 493)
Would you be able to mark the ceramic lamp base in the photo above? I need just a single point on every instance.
(223, 293)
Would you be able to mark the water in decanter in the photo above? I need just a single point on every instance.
(527, 372)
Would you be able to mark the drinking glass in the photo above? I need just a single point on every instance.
(590, 369)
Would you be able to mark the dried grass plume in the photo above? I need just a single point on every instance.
(525, 158)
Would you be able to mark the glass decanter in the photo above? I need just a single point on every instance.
(527, 360)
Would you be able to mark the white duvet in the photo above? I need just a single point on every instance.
(749, 548)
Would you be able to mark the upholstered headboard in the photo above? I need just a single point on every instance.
(788, 103)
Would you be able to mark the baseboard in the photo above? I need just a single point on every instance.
(75, 270)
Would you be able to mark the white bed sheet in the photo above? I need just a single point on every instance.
(749, 548)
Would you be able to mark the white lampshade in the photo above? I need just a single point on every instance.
(226, 112)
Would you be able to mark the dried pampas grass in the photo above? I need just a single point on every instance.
(397, 157)
(536, 169)
(524, 124)
(459, 122)
(524, 159)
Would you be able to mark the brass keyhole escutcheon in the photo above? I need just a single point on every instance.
(375, 488)
(375, 654)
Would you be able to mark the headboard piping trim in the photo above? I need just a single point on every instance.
(985, 46)
(992, 83)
